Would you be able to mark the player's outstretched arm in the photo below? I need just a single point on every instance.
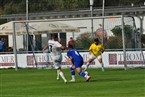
(44, 48)
(63, 47)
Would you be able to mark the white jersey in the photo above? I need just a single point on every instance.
(54, 47)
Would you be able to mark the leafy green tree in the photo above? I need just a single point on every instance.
(113, 43)
(117, 31)
(18, 6)
(128, 2)
(58, 4)
(83, 4)
(128, 30)
(83, 41)
(70, 4)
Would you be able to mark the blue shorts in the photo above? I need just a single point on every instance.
(78, 64)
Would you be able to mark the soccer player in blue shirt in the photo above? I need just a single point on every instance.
(77, 62)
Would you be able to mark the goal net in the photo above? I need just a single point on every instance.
(118, 34)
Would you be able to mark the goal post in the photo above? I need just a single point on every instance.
(118, 35)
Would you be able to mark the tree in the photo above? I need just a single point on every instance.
(128, 2)
(83, 41)
(113, 43)
(18, 6)
(83, 3)
(128, 32)
(143, 40)
(117, 31)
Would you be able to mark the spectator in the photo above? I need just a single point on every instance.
(9, 50)
(70, 42)
(2, 45)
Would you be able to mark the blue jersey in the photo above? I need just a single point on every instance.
(77, 59)
(2, 46)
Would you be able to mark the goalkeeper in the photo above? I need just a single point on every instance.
(96, 49)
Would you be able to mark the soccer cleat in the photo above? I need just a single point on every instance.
(73, 80)
(88, 78)
(57, 78)
(65, 81)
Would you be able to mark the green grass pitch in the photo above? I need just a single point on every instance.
(43, 83)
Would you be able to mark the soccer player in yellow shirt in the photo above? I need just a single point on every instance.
(96, 49)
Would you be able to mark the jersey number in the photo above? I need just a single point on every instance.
(50, 48)
(76, 53)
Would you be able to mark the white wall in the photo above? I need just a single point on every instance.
(19, 41)
(110, 60)
(85, 26)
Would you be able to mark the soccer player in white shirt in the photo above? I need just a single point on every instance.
(55, 49)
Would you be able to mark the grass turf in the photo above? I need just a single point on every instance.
(43, 83)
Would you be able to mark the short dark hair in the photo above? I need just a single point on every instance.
(70, 47)
(54, 36)
(96, 40)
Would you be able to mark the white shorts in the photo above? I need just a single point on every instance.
(94, 57)
(57, 61)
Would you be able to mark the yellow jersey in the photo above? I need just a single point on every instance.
(96, 50)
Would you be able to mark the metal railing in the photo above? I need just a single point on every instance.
(81, 13)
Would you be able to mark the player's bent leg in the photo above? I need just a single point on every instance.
(57, 69)
(88, 64)
(61, 74)
(57, 75)
(100, 60)
(82, 74)
(73, 74)
(85, 76)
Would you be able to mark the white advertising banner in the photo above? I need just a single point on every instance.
(110, 60)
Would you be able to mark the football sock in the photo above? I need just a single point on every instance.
(57, 74)
(87, 65)
(72, 73)
(62, 75)
(82, 74)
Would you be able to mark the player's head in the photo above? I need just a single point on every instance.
(2, 39)
(54, 37)
(71, 38)
(96, 40)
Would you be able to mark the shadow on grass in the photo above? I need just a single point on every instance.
(101, 80)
